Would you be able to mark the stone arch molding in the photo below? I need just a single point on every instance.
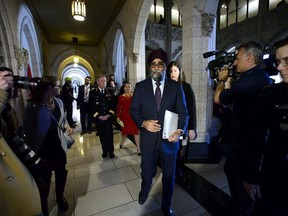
(66, 57)
(28, 50)
(177, 53)
(152, 45)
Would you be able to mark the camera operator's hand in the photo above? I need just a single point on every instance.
(6, 80)
(222, 84)
(223, 74)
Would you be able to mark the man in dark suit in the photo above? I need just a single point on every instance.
(67, 98)
(102, 106)
(147, 110)
(82, 104)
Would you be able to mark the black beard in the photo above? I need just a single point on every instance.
(157, 75)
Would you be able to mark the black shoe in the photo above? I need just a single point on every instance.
(89, 131)
(97, 133)
(168, 212)
(74, 122)
(104, 155)
(112, 155)
(82, 132)
(62, 204)
(142, 197)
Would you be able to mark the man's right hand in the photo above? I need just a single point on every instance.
(152, 125)
(6, 80)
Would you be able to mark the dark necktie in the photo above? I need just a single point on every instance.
(102, 91)
(158, 94)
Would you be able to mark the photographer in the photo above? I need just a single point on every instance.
(19, 192)
(244, 157)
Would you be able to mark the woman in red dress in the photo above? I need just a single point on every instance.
(128, 127)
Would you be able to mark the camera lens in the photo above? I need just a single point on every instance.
(26, 82)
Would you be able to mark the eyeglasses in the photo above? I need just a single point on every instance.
(157, 64)
(283, 61)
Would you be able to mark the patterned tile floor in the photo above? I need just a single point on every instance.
(97, 186)
(108, 187)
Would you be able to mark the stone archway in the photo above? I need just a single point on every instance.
(29, 41)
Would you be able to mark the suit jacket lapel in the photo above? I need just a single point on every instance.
(151, 93)
(165, 94)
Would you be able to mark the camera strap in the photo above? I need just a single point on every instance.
(54, 118)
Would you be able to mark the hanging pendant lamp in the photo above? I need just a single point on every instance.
(78, 10)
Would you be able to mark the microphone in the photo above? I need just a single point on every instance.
(211, 53)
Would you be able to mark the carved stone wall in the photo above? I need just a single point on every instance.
(207, 24)
(155, 36)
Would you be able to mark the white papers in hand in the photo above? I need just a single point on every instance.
(170, 123)
(121, 123)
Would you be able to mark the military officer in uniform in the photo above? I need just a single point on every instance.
(102, 107)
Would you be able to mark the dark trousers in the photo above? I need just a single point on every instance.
(105, 132)
(43, 184)
(242, 204)
(69, 111)
(180, 159)
(84, 114)
(148, 167)
(274, 186)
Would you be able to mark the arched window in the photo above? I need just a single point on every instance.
(232, 12)
(223, 19)
(118, 58)
(253, 8)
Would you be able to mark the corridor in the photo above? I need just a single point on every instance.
(108, 187)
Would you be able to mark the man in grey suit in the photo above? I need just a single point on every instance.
(148, 110)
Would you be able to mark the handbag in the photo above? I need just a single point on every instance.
(69, 140)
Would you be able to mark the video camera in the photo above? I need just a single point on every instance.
(226, 59)
(27, 83)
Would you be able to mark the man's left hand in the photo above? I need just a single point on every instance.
(252, 190)
(174, 137)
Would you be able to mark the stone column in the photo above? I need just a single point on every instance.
(168, 4)
(197, 28)
(136, 70)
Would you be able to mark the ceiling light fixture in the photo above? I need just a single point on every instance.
(78, 10)
(75, 57)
